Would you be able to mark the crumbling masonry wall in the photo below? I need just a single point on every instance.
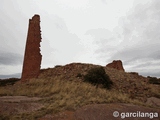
(116, 64)
(32, 57)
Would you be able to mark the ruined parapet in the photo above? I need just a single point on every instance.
(116, 64)
(32, 57)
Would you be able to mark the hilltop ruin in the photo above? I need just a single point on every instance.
(32, 56)
(116, 64)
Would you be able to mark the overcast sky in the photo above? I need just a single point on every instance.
(87, 31)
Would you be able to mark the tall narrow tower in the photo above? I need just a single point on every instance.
(32, 57)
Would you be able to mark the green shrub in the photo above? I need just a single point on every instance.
(97, 76)
(154, 80)
(9, 81)
(79, 75)
(58, 66)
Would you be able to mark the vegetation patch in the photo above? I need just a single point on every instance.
(59, 95)
(63, 89)
(10, 81)
(97, 76)
(154, 80)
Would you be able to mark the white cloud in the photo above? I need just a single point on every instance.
(91, 31)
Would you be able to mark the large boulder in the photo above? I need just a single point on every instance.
(116, 64)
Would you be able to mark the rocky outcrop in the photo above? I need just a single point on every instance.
(153, 101)
(112, 111)
(32, 57)
(116, 64)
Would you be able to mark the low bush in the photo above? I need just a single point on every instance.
(58, 66)
(10, 81)
(154, 80)
(97, 76)
(79, 75)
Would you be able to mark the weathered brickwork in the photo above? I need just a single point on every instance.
(116, 64)
(32, 57)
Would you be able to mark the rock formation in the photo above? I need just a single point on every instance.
(32, 57)
(116, 64)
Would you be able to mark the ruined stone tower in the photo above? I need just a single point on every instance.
(116, 64)
(32, 57)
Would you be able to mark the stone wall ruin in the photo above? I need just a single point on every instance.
(116, 64)
(32, 57)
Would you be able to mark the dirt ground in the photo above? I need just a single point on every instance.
(18, 104)
(23, 104)
(105, 112)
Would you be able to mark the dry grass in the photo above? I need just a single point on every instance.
(62, 90)
(76, 91)
(59, 95)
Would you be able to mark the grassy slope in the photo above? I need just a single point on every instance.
(61, 89)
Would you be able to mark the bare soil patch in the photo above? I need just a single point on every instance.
(103, 112)
(18, 104)
(153, 101)
(18, 98)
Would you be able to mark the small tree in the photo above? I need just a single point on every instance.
(98, 76)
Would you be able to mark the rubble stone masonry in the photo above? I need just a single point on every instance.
(116, 64)
(32, 57)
